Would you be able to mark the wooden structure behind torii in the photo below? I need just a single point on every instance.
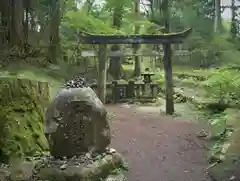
(165, 39)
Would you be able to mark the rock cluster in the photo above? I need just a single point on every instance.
(76, 82)
(84, 167)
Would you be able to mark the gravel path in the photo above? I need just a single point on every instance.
(156, 147)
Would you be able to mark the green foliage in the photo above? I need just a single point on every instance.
(147, 27)
(224, 85)
(128, 71)
(80, 21)
(111, 4)
(158, 76)
(21, 122)
(189, 82)
(218, 47)
(212, 51)
(218, 123)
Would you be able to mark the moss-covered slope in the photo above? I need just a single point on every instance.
(21, 119)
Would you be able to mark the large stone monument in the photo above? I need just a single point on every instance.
(78, 131)
(76, 121)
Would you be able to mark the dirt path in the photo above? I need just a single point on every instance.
(156, 147)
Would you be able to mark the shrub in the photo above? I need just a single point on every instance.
(224, 86)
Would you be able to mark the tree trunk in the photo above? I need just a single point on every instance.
(115, 66)
(5, 22)
(217, 16)
(88, 5)
(26, 22)
(17, 32)
(136, 47)
(54, 32)
(32, 21)
(234, 21)
(168, 62)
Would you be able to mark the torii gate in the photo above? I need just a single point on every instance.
(104, 40)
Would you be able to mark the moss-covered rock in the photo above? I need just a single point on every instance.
(21, 119)
(107, 166)
(96, 170)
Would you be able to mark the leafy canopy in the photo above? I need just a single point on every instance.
(81, 21)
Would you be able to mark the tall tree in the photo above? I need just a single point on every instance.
(5, 21)
(234, 23)
(17, 19)
(88, 4)
(217, 16)
(136, 47)
(115, 66)
(26, 20)
(54, 31)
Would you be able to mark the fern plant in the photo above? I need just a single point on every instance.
(224, 86)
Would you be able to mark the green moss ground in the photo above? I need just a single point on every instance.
(21, 122)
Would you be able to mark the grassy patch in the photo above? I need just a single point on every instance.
(33, 73)
(225, 148)
(191, 71)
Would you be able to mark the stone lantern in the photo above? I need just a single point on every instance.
(147, 80)
(147, 76)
